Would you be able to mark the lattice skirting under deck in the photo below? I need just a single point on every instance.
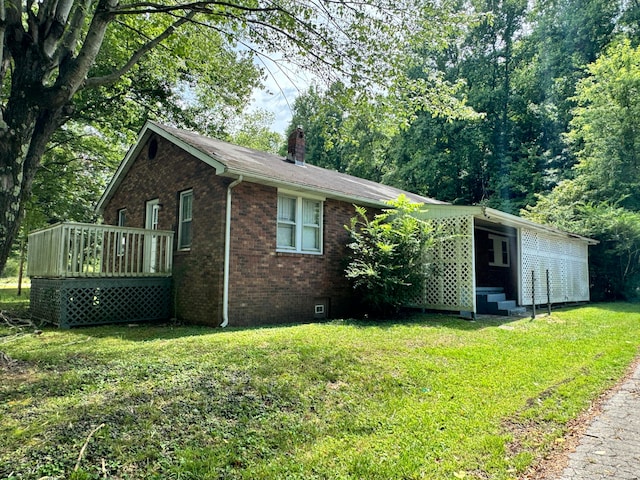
(74, 302)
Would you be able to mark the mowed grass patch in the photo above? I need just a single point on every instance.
(431, 397)
(10, 301)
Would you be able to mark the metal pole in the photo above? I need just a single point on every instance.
(533, 294)
(548, 294)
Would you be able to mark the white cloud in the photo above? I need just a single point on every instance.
(283, 83)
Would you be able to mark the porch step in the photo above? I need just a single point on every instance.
(493, 301)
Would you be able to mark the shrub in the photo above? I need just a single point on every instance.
(11, 268)
(386, 264)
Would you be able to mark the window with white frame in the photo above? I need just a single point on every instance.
(121, 240)
(299, 224)
(185, 220)
(122, 217)
(499, 251)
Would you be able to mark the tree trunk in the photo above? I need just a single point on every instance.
(34, 110)
(29, 127)
(23, 251)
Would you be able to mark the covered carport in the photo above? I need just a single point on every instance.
(486, 250)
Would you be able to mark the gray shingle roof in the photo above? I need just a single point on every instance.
(274, 170)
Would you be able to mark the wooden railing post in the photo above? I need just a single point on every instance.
(84, 250)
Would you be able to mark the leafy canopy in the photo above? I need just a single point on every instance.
(602, 200)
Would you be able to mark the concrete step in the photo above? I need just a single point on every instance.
(494, 297)
(486, 290)
(493, 301)
(506, 305)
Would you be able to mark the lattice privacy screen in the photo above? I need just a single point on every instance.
(81, 302)
(450, 282)
(567, 263)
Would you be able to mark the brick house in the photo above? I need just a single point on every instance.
(217, 234)
(260, 239)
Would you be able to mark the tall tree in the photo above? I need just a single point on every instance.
(566, 36)
(602, 200)
(53, 53)
(472, 160)
(605, 129)
(253, 130)
(520, 62)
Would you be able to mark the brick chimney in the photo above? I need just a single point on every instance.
(295, 147)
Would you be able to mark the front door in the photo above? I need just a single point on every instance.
(151, 240)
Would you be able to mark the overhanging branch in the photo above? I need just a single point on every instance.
(114, 76)
(150, 7)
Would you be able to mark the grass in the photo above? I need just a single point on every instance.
(9, 299)
(430, 397)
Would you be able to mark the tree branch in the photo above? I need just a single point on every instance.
(150, 7)
(73, 71)
(70, 41)
(112, 77)
(56, 26)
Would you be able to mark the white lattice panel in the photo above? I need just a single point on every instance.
(565, 259)
(450, 284)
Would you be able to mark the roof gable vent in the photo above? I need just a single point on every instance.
(295, 147)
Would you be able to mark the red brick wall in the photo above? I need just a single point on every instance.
(266, 286)
(197, 273)
(269, 287)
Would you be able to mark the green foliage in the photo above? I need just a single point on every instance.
(387, 260)
(11, 268)
(253, 130)
(515, 63)
(431, 397)
(606, 125)
(602, 201)
(347, 131)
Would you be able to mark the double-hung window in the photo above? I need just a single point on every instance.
(299, 224)
(499, 251)
(185, 220)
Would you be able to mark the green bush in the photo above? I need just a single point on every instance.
(11, 268)
(386, 264)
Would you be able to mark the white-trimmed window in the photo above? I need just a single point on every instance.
(121, 239)
(185, 220)
(122, 217)
(299, 224)
(499, 251)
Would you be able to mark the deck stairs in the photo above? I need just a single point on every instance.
(493, 301)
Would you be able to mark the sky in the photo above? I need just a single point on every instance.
(283, 83)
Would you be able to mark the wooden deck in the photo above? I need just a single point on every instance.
(84, 274)
(79, 250)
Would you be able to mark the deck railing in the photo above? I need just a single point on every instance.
(87, 250)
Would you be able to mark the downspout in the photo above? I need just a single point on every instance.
(227, 249)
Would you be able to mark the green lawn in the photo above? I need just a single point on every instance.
(9, 299)
(430, 397)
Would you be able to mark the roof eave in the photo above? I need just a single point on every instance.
(146, 131)
(523, 222)
(298, 187)
(508, 219)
